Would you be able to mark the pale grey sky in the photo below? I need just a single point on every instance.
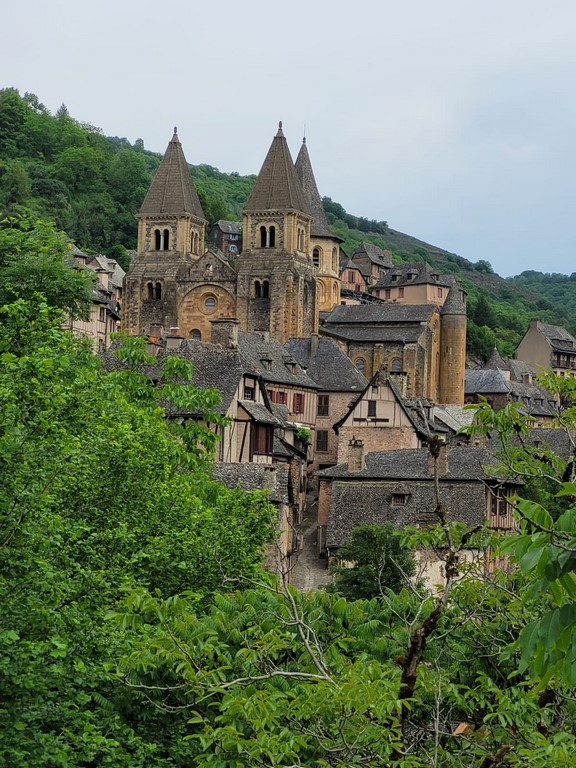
(453, 120)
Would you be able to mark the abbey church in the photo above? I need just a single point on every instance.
(290, 279)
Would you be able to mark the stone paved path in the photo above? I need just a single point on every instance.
(310, 571)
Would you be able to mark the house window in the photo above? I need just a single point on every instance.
(281, 398)
(399, 499)
(298, 404)
(401, 292)
(372, 408)
(351, 276)
(439, 293)
(233, 248)
(102, 313)
(196, 335)
(322, 440)
(323, 405)
(498, 504)
(262, 436)
(386, 293)
(248, 393)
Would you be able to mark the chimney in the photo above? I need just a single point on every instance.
(174, 339)
(356, 460)
(225, 332)
(437, 449)
(313, 345)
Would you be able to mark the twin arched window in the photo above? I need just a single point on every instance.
(262, 289)
(154, 291)
(268, 237)
(161, 240)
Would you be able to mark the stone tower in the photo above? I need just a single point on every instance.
(171, 230)
(324, 244)
(276, 290)
(453, 347)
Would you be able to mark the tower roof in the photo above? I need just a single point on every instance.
(454, 304)
(172, 191)
(312, 197)
(277, 186)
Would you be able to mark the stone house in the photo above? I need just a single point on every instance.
(105, 313)
(548, 346)
(398, 487)
(338, 381)
(413, 284)
(373, 262)
(424, 341)
(227, 237)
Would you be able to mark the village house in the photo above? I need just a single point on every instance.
(104, 316)
(338, 382)
(227, 237)
(398, 487)
(547, 346)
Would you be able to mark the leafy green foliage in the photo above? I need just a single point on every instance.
(33, 261)
(98, 492)
(379, 560)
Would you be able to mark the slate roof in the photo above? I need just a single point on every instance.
(172, 191)
(319, 226)
(407, 334)
(455, 417)
(230, 227)
(558, 337)
(330, 368)
(259, 412)
(482, 382)
(252, 477)
(277, 186)
(454, 304)
(271, 361)
(464, 463)
(496, 361)
(420, 272)
(384, 313)
(375, 254)
(556, 439)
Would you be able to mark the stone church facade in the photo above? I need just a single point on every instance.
(286, 275)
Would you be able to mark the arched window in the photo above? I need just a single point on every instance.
(158, 291)
(196, 335)
(157, 240)
(263, 237)
(265, 289)
(165, 240)
(360, 364)
(316, 257)
(334, 259)
(272, 237)
(257, 290)
(396, 365)
(210, 302)
(150, 290)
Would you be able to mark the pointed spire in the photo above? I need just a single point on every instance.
(455, 303)
(312, 197)
(277, 186)
(172, 191)
(496, 361)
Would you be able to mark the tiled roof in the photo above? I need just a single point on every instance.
(454, 304)
(172, 191)
(482, 382)
(271, 361)
(375, 254)
(230, 227)
(380, 313)
(319, 226)
(277, 186)
(252, 477)
(464, 463)
(330, 368)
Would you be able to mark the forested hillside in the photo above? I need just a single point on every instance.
(92, 186)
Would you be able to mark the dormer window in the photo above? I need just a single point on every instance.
(291, 367)
(266, 363)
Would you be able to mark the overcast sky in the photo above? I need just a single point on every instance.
(455, 121)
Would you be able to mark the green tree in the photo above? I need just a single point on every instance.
(379, 560)
(98, 492)
(34, 259)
